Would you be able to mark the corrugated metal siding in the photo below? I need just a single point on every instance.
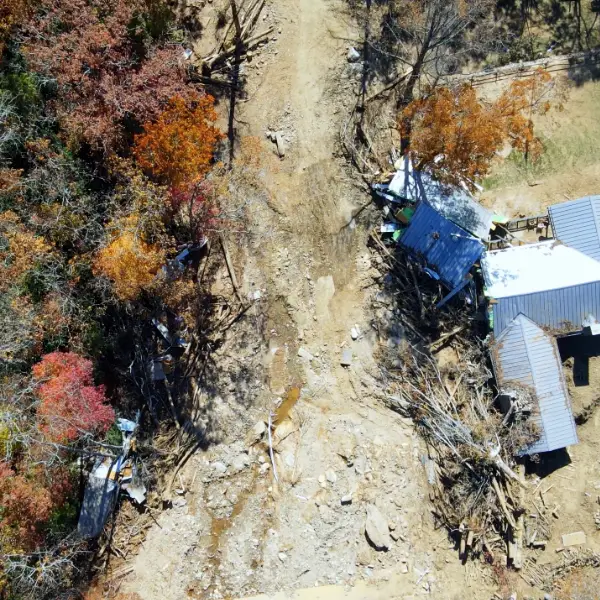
(562, 310)
(524, 354)
(577, 224)
(449, 250)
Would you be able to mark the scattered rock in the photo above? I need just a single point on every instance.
(256, 433)
(346, 358)
(391, 525)
(321, 478)
(364, 557)
(376, 528)
(354, 333)
(331, 476)
(240, 462)
(305, 354)
(264, 467)
(347, 499)
(282, 556)
(280, 145)
(219, 467)
(353, 55)
(360, 464)
(573, 539)
(395, 535)
(327, 515)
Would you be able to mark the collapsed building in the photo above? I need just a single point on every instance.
(534, 295)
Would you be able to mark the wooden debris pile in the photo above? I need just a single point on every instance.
(552, 576)
(478, 491)
(239, 36)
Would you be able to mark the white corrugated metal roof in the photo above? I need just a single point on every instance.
(577, 224)
(526, 355)
(536, 268)
(454, 203)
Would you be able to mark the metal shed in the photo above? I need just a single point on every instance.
(524, 354)
(577, 224)
(446, 248)
(554, 285)
(452, 202)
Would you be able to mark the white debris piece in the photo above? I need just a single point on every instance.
(353, 55)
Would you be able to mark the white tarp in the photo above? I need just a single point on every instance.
(454, 203)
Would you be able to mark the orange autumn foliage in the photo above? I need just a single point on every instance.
(456, 136)
(11, 14)
(179, 146)
(129, 261)
(20, 250)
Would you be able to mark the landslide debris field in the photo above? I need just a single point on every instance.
(318, 410)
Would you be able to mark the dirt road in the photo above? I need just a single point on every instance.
(238, 529)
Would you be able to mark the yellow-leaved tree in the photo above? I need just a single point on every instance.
(128, 260)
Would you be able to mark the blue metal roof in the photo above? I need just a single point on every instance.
(561, 310)
(526, 355)
(452, 202)
(448, 249)
(577, 224)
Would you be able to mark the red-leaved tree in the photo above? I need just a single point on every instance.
(71, 406)
(26, 506)
(106, 77)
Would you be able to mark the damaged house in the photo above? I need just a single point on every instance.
(538, 295)
(556, 286)
(448, 251)
(528, 370)
(577, 224)
(453, 203)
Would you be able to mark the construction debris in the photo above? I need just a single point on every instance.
(577, 538)
(108, 477)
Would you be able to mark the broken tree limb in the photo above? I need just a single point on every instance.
(271, 447)
(230, 50)
(229, 264)
(167, 493)
(388, 87)
(236, 21)
(435, 346)
(251, 16)
(502, 502)
(508, 471)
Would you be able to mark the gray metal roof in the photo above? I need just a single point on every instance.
(562, 310)
(556, 286)
(452, 202)
(577, 224)
(449, 250)
(526, 355)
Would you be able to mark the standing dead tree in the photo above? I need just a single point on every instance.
(413, 41)
(432, 36)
